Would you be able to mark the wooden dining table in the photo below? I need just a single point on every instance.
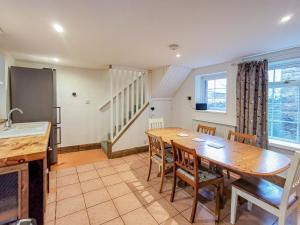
(237, 157)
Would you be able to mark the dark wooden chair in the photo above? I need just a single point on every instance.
(242, 138)
(186, 167)
(161, 155)
(206, 130)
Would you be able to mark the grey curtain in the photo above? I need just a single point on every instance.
(252, 100)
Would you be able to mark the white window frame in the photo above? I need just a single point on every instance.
(277, 142)
(201, 89)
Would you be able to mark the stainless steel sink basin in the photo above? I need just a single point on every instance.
(24, 129)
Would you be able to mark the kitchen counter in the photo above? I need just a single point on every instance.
(24, 149)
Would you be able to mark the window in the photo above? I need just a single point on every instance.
(284, 101)
(212, 89)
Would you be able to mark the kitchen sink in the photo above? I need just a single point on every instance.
(24, 129)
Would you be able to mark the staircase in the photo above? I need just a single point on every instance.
(129, 97)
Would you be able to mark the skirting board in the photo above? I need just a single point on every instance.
(77, 148)
(129, 151)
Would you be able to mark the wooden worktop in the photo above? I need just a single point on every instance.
(23, 149)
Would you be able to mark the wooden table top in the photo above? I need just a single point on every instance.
(27, 148)
(237, 157)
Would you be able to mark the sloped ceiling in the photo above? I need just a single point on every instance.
(167, 80)
(137, 33)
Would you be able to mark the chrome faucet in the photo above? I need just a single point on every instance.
(9, 121)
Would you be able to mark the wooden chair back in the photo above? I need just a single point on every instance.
(242, 138)
(156, 145)
(206, 130)
(292, 181)
(155, 123)
(185, 158)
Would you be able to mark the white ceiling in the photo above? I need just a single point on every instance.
(137, 32)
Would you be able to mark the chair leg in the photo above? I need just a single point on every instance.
(150, 166)
(195, 202)
(234, 198)
(173, 188)
(228, 175)
(218, 200)
(162, 176)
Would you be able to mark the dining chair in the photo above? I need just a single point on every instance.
(160, 155)
(274, 199)
(187, 168)
(206, 130)
(155, 123)
(242, 138)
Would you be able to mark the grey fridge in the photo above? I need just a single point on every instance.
(34, 91)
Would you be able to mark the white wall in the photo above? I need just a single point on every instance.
(82, 122)
(135, 135)
(183, 111)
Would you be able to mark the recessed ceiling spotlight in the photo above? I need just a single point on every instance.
(55, 59)
(285, 19)
(178, 55)
(58, 28)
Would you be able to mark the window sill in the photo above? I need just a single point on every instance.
(211, 111)
(284, 145)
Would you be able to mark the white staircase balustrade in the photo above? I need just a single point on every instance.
(129, 95)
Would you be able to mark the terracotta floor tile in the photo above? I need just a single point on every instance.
(116, 161)
(136, 164)
(67, 180)
(68, 191)
(177, 220)
(127, 203)
(161, 210)
(202, 216)
(117, 221)
(137, 184)
(96, 197)
(127, 175)
(50, 222)
(102, 213)
(122, 167)
(85, 168)
(148, 196)
(101, 164)
(89, 175)
(69, 206)
(78, 218)
(106, 171)
(91, 185)
(52, 175)
(130, 158)
(111, 180)
(139, 216)
(182, 200)
(257, 216)
(118, 190)
(74, 159)
(50, 212)
(66, 171)
(51, 197)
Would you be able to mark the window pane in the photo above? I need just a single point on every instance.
(271, 75)
(277, 75)
(221, 83)
(210, 84)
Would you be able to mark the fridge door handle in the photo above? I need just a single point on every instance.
(59, 114)
(59, 136)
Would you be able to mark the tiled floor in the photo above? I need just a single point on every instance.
(115, 192)
(72, 159)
